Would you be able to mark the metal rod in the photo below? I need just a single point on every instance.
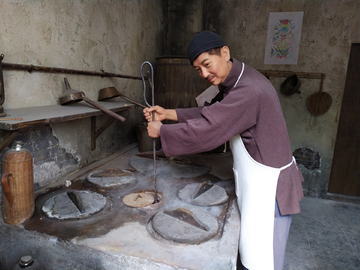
(31, 68)
(132, 101)
(153, 115)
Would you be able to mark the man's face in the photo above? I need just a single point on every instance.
(212, 67)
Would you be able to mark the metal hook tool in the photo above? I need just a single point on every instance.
(151, 81)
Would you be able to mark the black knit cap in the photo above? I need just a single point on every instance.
(203, 42)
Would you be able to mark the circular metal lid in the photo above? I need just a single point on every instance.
(74, 204)
(192, 225)
(111, 177)
(204, 194)
(174, 167)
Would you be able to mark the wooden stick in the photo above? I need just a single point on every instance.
(10, 119)
(307, 75)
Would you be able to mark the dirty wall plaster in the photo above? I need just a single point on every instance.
(329, 28)
(90, 35)
(117, 36)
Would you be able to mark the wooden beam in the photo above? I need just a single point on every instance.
(278, 73)
(7, 139)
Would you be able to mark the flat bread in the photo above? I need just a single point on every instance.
(138, 199)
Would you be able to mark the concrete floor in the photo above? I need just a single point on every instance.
(324, 236)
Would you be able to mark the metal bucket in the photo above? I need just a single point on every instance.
(145, 143)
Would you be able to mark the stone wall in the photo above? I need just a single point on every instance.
(329, 28)
(90, 35)
(117, 36)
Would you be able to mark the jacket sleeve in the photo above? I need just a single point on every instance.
(203, 129)
(188, 113)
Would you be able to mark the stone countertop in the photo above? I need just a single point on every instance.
(133, 239)
(129, 243)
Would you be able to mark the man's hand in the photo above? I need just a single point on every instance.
(160, 113)
(154, 129)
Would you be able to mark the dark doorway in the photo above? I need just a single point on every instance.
(345, 171)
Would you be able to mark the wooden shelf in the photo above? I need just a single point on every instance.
(57, 113)
(32, 116)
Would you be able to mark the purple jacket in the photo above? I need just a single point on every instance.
(251, 109)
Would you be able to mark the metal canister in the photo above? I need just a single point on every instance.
(17, 184)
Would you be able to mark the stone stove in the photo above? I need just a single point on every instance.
(193, 225)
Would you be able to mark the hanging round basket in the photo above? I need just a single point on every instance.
(319, 102)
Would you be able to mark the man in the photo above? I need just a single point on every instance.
(268, 181)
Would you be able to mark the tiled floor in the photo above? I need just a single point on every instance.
(324, 236)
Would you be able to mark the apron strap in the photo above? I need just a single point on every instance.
(288, 165)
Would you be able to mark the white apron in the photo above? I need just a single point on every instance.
(256, 190)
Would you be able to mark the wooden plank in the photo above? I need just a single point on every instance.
(278, 73)
(94, 133)
(177, 83)
(6, 140)
(345, 173)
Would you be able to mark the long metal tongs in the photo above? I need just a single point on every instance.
(151, 81)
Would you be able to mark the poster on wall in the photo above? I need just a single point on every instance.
(283, 38)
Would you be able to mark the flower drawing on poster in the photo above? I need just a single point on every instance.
(283, 38)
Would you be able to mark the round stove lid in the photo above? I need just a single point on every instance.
(74, 204)
(185, 225)
(174, 167)
(111, 177)
(204, 194)
(139, 199)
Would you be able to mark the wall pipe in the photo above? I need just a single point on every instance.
(31, 68)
